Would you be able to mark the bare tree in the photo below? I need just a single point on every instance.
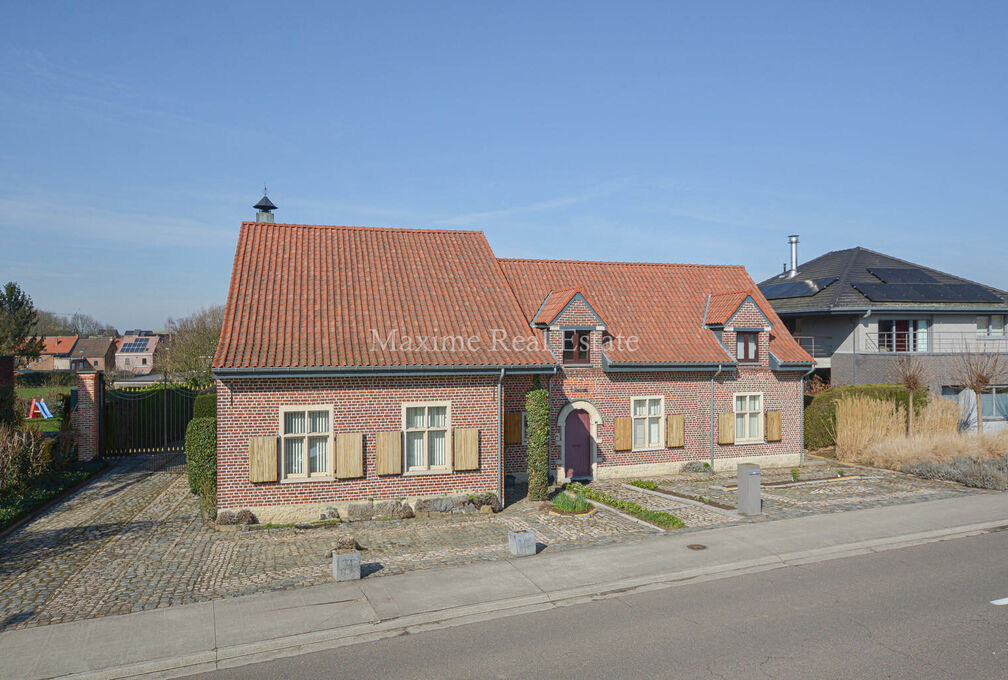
(911, 373)
(190, 350)
(977, 371)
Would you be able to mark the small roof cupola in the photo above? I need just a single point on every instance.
(264, 209)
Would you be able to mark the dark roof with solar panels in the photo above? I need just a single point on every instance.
(856, 279)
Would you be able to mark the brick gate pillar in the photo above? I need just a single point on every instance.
(86, 418)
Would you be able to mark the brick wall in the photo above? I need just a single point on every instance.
(688, 393)
(85, 418)
(250, 407)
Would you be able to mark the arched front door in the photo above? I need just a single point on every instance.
(577, 444)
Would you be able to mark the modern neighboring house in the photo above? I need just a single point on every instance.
(135, 352)
(94, 353)
(855, 310)
(361, 363)
(55, 355)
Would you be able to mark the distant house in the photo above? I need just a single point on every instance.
(855, 309)
(96, 354)
(135, 352)
(55, 355)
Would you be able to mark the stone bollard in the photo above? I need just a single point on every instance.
(521, 543)
(346, 565)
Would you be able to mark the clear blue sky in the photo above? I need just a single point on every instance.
(134, 137)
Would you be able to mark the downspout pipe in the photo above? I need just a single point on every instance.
(500, 436)
(801, 394)
(719, 367)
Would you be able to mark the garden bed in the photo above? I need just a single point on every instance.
(16, 505)
(663, 520)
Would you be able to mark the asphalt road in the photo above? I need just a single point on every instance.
(921, 612)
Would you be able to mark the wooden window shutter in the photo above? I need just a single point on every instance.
(622, 434)
(726, 428)
(773, 430)
(263, 459)
(388, 453)
(349, 455)
(465, 449)
(512, 428)
(675, 430)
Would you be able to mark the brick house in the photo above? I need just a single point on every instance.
(386, 363)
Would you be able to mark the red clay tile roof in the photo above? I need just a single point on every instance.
(661, 304)
(58, 344)
(306, 296)
(723, 305)
(555, 303)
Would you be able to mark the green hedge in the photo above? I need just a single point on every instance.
(205, 406)
(820, 414)
(537, 451)
(201, 454)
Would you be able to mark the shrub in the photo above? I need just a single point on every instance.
(11, 413)
(201, 454)
(226, 517)
(989, 473)
(246, 517)
(795, 474)
(24, 455)
(205, 405)
(537, 422)
(696, 466)
(820, 414)
(565, 503)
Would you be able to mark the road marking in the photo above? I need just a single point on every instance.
(1003, 600)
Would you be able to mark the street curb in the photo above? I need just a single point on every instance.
(266, 650)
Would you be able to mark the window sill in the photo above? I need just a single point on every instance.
(425, 473)
(587, 364)
(650, 448)
(307, 480)
(750, 442)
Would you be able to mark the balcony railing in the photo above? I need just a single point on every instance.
(819, 346)
(922, 342)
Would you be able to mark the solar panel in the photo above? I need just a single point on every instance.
(901, 275)
(134, 346)
(925, 292)
(793, 289)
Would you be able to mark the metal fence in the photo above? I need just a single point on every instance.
(148, 422)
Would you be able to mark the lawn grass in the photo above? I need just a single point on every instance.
(16, 504)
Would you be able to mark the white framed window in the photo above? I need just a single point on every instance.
(648, 432)
(991, 326)
(524, 429)
(748, 417)
(307, 442)
(427, 427)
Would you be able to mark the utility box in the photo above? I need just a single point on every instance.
(749, 500)
(346, 565)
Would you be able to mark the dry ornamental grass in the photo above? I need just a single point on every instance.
(872, 432)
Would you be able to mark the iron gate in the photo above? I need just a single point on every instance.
(148, 422)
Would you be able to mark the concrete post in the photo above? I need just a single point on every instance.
(86, 418)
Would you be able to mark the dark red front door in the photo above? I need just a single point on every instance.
(577, 443)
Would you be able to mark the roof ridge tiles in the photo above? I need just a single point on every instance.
(351, 227)
(623, 263)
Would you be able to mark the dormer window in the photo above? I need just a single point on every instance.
(576, 347)
(747, 346)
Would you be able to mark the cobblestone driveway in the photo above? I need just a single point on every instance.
(133, 540)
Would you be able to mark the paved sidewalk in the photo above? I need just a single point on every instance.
(203, 636)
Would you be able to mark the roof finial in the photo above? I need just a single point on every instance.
(264, 207)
